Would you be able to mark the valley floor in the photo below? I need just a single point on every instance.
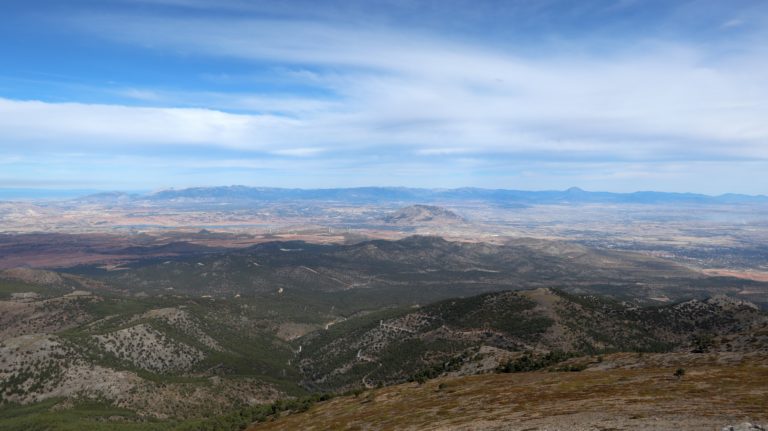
(621, 392)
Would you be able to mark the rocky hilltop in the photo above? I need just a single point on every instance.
(423, 214)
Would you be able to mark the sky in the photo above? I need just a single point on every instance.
(613, 95)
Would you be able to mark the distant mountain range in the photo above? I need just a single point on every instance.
(360, 195)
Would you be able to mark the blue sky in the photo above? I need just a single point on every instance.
(616, 95)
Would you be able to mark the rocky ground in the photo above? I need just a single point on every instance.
(617, 392)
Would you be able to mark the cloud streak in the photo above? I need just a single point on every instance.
(76, 126)
(400, 94)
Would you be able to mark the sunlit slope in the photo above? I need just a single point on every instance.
(624, 391)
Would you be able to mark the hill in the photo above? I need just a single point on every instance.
(156, 356)
(484, 332)
(422, 269)
(188, 358)
(191, 338)
(423, 214)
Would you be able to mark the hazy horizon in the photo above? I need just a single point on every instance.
(9, 194)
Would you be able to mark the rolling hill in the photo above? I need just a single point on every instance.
(482, 332)
(221, 336)
(186, 357)
(421, 269)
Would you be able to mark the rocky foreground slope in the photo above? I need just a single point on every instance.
(614, 392)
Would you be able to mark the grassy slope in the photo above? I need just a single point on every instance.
(709, 396)
(93, 416)
(9, 287)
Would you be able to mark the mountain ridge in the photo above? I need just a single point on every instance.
(389, 347)
(438, 267)
(405, 194)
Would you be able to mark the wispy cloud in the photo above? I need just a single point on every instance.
(386, 94)
(655, 101)
(77, 126)
(732, 23)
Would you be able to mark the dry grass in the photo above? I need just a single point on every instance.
(709, 396)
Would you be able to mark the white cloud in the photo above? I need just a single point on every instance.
(298, 152)
(649, 100)
(405, 104)
(74, 125)
(139, 94)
